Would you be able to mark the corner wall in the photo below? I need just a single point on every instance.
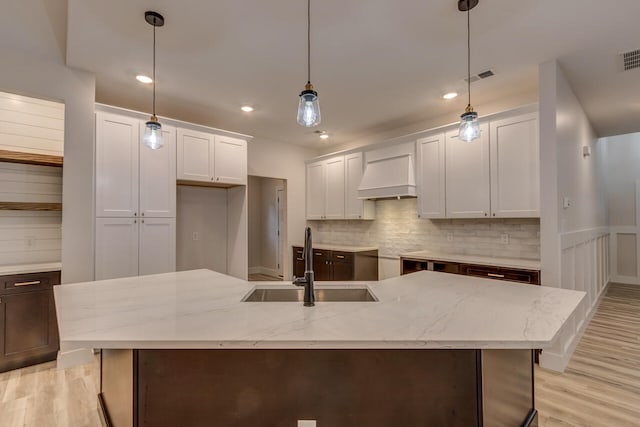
(575, 239)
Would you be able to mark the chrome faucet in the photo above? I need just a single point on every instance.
(307, 280)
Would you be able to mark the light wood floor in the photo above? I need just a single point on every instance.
(601, 387)
(259, 277)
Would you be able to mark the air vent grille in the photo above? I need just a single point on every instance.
(631, 60)
(479, 76)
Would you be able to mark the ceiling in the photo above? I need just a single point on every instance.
(376, 64)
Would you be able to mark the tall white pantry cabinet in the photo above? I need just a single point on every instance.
(135, 199)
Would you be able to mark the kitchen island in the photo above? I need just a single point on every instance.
(434, 349)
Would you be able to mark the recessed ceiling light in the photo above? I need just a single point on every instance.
(144, 79)
(450, 95)
(324, 135)
(247, 108)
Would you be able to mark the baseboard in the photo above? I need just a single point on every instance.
(558, 362)
(255, 270)
(72, 358)
(263, 270)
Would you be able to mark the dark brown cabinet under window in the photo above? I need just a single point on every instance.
(28, 325)
(334, 265)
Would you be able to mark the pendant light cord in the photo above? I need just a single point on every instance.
(308, 41)
(469, 50)
(154, 69)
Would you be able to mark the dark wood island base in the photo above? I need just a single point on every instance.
(342, 387)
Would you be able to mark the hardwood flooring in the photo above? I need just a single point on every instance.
(259, 277)
(601, 387)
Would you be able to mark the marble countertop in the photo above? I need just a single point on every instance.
(526, 264)
(332, 247)
(6, 270)
(203, 309)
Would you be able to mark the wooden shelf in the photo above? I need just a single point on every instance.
(30, 158)
(30, 206)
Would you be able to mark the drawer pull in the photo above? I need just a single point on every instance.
(499, 276)
(300, 259)
(340, 256)
(35, 282)
(319, 253)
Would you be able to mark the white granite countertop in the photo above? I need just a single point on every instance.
(203, 309)
(331, 247)
(6, 270)
(526, 264)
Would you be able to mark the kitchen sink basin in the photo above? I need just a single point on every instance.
(334, 294)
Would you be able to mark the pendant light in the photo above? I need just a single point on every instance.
(469, 124)
(309, 108)
(153, 129)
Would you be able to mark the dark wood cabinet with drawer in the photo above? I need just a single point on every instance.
(333, 265)
(28, 325)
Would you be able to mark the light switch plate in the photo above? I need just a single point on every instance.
(306, 423)
(566, 202)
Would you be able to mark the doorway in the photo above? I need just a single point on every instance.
(267, 228)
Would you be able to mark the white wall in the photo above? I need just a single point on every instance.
(574, 240)
(284, 161)
(203, 211)
(51, 79)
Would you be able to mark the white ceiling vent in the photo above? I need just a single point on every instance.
(630, 60)
(480, 76)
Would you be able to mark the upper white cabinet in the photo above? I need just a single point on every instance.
(515, 167)
(431, 176)
(332, 189)
(468, 178)
(131, 179)
(211, 158)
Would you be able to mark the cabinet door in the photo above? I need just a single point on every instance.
(230, 161)
(194, 153)
(117, 141)
(467, 176)
(342, 271)
(354, 207)
(157, 248)
(158, 176)
(334, 202)
(28, 329)
(316, 190)
(431, 177)
(515, 167)
(116, 248)
(298, 262)
(321, 264)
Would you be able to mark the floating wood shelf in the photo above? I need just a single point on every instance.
(30, 206)
(30, 158)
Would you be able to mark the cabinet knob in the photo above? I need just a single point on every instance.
(142, 221)
(142, 214)
(485, 214)
(494, 214)
(218, 179)
(135, 214)
(211, 178)
(135, 221)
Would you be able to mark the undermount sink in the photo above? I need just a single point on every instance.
(334, 294)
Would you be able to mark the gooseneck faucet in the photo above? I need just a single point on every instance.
(307, 280)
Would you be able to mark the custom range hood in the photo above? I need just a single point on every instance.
(389, 173)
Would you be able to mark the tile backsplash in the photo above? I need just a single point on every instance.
(397, 229)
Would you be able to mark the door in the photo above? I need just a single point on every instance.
(116, 248)
(117, 141)
(354, 207)
(158, 176)
(467, 176)
(194, 154)
(515, 167)
(321, 264)
(334, 205)
(316, 190)
(157, 247)
(280, 203)
(230, 161)
(431, 177)
(28, 327)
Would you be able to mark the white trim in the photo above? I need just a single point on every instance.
(263, 270)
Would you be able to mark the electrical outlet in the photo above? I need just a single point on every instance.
(504, 238)
(306, 423)
(449, 237)
(196, 236)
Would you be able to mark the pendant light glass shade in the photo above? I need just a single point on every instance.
(309, 108)
(153, 134)
(469, 126)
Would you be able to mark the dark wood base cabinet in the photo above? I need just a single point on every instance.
(337, 388)
(343, 266)
(28, 326)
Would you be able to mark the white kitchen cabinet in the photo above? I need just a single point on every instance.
(157, 176)
(116, 248)
(117, 145)
(355, 208)
(316, 189)
(515, 167)
(468, 177)
(157, 246)
(211, 158)
(335, 190)
(431, 177)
